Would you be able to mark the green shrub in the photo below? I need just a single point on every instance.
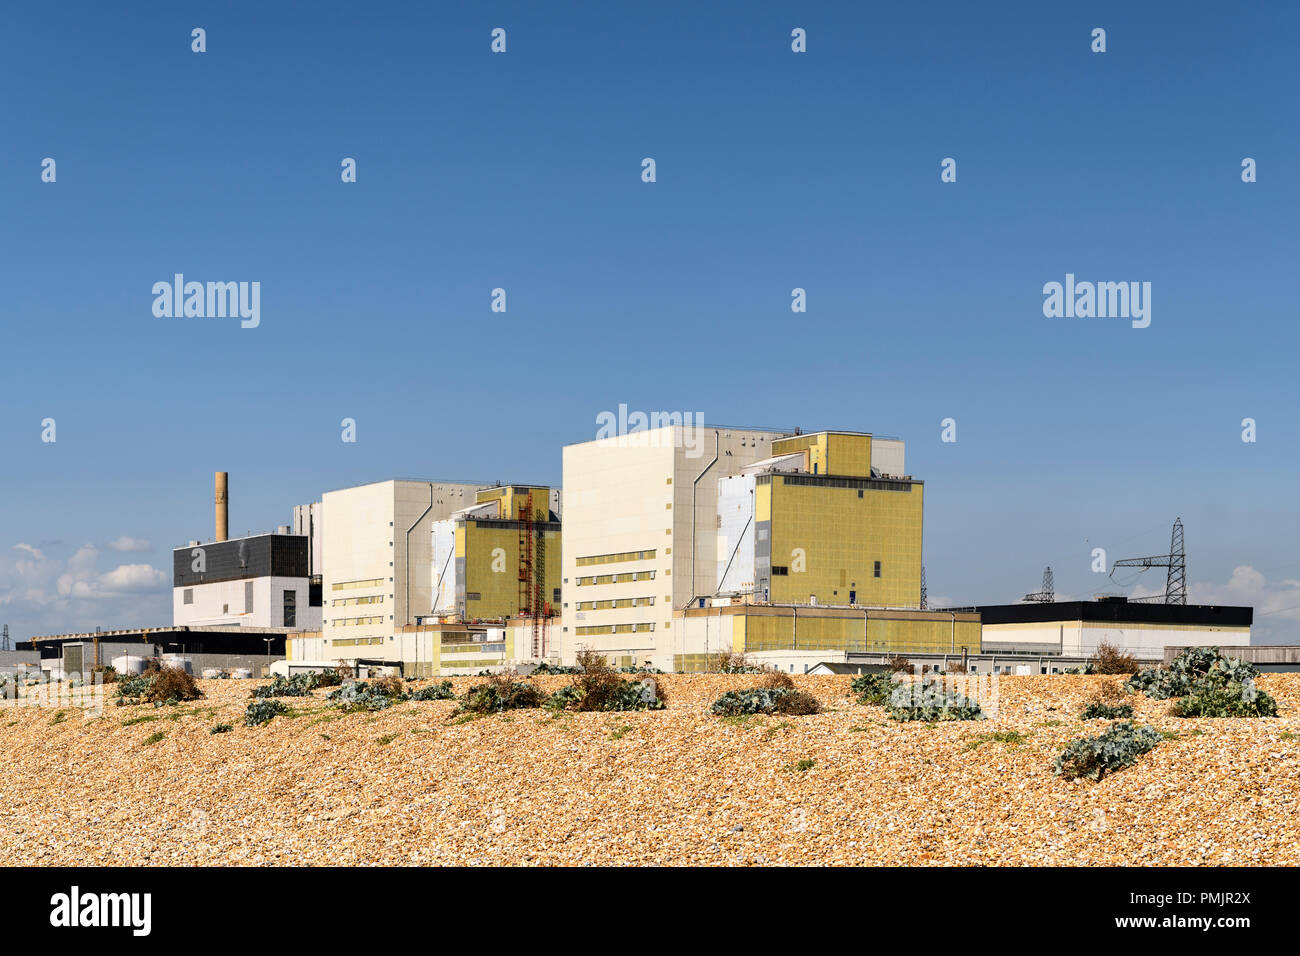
(221, 729)
(1098, 710)
(440, 691)
(1094, 757)
(1242, 699)
(873, 688)
(499, 694)
(930, 701)
(765, 700)
(261, 711)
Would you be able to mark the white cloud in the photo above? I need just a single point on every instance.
(45, 595)
(132, 579)
(1276, 604)
(128, 543)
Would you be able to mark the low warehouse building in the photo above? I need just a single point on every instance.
(780, 631)
(1078, 628)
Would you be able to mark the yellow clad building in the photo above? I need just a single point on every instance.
(500, 557)
(818, 523)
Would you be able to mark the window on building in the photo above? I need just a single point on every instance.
(248, 597)
(877, 569)
(290, 608)
(188, 596)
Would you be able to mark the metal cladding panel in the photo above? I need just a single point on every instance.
(448, 570)
(736, 534)
(267, 555)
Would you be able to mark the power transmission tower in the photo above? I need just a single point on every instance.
(1047, 594)
(925, 597)
(1175, 561)
(4, 639)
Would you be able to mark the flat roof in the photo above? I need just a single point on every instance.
(142, 632)
(1117, 612)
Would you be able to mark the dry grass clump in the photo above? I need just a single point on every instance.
(390, 685)
(775, 678)
(158, 685)
(898, 662)
(1109, 659)
(729, 662)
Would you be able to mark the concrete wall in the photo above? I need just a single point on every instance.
(308, 520)
(226, 603)
(887, 457)
(378, 544)
(633, 494)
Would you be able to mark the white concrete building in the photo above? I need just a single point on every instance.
(258, 581)
(641, 532)
(377, 560)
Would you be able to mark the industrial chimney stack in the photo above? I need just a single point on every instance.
(223, 510)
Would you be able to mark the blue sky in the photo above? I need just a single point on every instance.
(775, 170)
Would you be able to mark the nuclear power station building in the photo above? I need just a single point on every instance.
(664, 547)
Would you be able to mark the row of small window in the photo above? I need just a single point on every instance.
(352, 585)
(356, 621)
(617, 578)
(876, 484)
(781, 570)
(615, 628)
(613, 558)
(372, 599)
(618, 602)
(446, 649)
(354, 641)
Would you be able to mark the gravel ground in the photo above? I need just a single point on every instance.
(408, 786)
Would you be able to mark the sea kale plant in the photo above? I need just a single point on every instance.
(765, 700)
(874, 688)
(377, 694)
(930, 700)
(1195, 668)
(1100, 710)
(1094, 757)
(262, 711)
(439, 691)
(499, 693)
(1209, 684)
(1236, 699)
